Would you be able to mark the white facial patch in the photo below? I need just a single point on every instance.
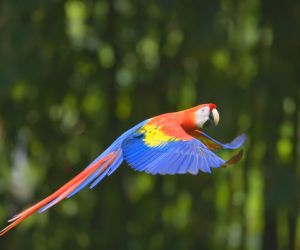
(202, 115)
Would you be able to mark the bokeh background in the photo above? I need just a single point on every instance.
(75, 74)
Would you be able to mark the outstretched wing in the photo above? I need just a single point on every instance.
(214, 144)
(167, 149)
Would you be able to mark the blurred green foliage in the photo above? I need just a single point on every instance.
(75, 74)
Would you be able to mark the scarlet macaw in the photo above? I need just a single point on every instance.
(170, 143)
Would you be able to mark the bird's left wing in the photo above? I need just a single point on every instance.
(213, 144)
(167, 149)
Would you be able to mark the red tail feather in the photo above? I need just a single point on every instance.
(62, 192)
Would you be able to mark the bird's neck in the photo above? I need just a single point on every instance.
(187, 120)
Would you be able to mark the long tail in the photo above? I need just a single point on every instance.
(95, 172)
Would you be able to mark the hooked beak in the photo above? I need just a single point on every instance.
(213, 118)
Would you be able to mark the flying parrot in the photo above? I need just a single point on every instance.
(171, 143)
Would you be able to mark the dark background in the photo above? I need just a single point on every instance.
(75, 74)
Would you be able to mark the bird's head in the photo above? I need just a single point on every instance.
(206, 115)
(199, 117)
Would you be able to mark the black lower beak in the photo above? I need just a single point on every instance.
(210, 121)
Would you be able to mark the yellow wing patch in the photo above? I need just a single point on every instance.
(154, 136)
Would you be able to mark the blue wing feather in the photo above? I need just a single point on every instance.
(177, 162)
(193, 165)
(203, 164)
(168, 164)
(183, 160)
(144, 162)
(99, 178)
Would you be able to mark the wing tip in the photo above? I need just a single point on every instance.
(234, 159)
